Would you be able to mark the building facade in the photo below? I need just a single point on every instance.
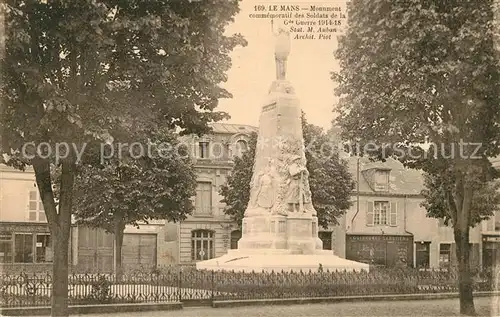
(209, 232)
(387, 226)
(25, 242)
(490, 235)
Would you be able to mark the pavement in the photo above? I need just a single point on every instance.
(445, 307)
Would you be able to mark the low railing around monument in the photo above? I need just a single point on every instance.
(189, 285)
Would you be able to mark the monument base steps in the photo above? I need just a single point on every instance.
(276, 260)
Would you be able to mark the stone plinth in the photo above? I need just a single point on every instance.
(263, 232)
(279, 260)
(300, 235)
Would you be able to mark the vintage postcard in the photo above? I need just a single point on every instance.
(249, 157)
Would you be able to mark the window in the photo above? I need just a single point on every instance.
(203, 148)
(497, 221)
(381, 213)
(235, 237)
(444, 254)
(240, 147)
(202, 245)
(23, 246)
(6, 247)
(35, 207)
(326, 237)
(381, 181)
(422, 254)
(203, 203)
(43, 248)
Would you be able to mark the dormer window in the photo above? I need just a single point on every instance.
(203, 148)
(241, 147)
(381, 180)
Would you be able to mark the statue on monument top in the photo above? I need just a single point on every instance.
(281, 51)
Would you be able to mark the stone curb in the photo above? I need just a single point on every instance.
(93, 309)
(341, 299)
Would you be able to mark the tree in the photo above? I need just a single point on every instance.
(329, 178)
(136, 188)
(79, 74)
(427, 72)
(236, 190)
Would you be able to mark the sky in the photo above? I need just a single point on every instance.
(253, 68)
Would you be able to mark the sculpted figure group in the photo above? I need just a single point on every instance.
(265, 191)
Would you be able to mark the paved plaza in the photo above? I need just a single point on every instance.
(447, 307)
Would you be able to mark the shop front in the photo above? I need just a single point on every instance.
(380, 250)
(491, 251)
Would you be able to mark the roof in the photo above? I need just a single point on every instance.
(403, 180)
(231, 128)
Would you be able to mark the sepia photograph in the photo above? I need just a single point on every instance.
(249, 158)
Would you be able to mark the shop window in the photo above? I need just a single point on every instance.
(23, 247)
(43, 248)
(444, 255)
(6, 255)
(422, 254)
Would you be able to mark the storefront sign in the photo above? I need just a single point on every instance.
(380, 250)
(492, 239)
(379, 238)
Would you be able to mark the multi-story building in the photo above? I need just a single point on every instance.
(387, 225)
(26, 244)
(209, 232)
(490, 235)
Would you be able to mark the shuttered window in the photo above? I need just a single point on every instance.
(393, 219)
(36, 212)
(369, 214)
(381, 213)
(203, 202)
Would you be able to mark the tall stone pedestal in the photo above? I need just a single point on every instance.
(280, 227)
(278, 243)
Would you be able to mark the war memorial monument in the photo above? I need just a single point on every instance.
(280, 225)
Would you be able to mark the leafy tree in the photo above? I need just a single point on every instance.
(85, 73)
(236, 191)
(422, 72)
(136, 188)
(329, 178)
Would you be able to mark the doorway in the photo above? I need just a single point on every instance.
(95, 250)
